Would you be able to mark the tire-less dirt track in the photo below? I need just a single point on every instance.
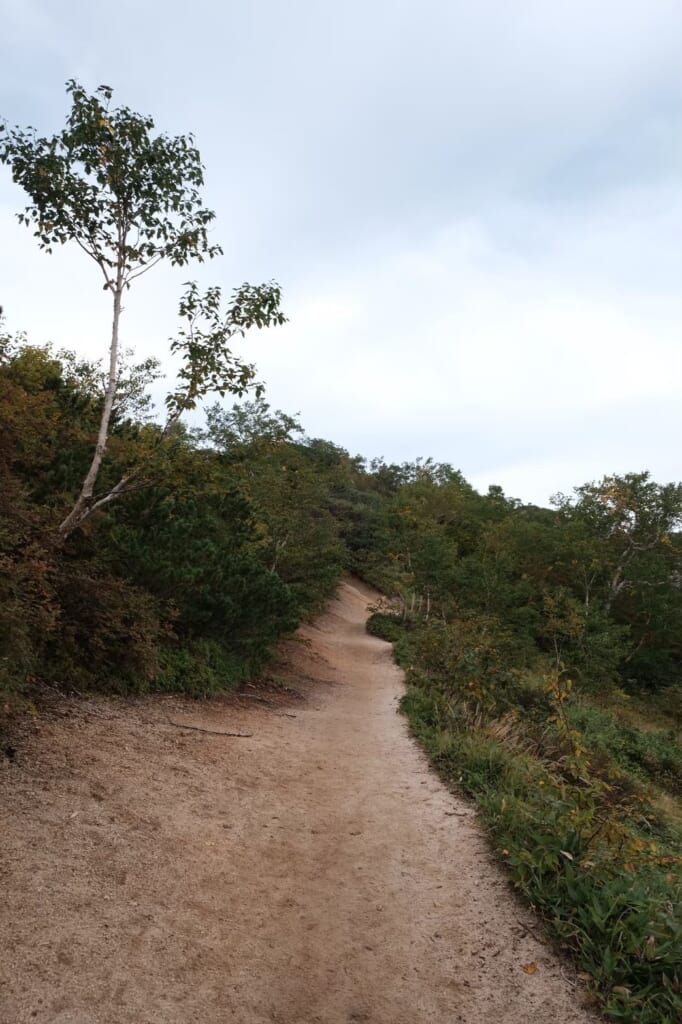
(315, 873)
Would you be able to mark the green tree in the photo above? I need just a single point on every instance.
(629, 563)
(289, 485)
(130, 199)
(631, 515)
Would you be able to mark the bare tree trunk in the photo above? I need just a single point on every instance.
(81, 509)
(618, 580)
(279, 546)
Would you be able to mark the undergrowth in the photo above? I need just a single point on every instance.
(562, 789)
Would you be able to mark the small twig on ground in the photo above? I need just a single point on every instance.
(211, 732)
(529, 931)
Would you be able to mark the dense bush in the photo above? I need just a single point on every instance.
(385, 626)
(186, 583)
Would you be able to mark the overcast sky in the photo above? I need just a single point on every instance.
(473, 207)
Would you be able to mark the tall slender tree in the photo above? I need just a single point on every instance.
(130, 199)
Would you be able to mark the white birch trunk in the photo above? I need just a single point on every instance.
(83, 505)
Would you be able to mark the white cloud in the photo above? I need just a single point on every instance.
(461, 342)
(474, 210)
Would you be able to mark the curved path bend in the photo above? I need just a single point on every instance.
(315, 872)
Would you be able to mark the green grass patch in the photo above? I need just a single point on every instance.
(562, 795)
(653, 756)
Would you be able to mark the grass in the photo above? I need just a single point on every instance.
(647, 754)
(581, 808)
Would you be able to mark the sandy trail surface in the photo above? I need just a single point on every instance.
(316, 871)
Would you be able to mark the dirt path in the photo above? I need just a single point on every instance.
(316, 872)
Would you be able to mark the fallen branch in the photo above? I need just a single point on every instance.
(211, 732)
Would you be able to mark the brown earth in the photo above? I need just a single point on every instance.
(316, 871)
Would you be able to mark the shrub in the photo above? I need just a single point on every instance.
(576, 845)
(386, 627)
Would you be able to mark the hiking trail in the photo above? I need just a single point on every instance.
(313, 872)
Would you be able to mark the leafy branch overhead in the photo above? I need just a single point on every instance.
(208, 364)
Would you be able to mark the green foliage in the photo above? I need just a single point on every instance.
(386, 627)
(291, 494)
(593, 585)
(208, 364)
(188, 583)
(107, 182)
(606, 891)
(107, 635)
(560, 785)
(649, 755)
(200, 667)
(475, 659)
(131, 199)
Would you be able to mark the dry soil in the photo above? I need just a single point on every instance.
(315, 872)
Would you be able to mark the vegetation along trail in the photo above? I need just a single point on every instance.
(314, 871)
